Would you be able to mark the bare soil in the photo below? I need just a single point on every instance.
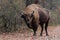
(53, 31)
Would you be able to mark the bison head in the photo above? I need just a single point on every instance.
(27, 17)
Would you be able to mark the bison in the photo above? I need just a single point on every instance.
(34, 15)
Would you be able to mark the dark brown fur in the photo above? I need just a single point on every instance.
(35, 15)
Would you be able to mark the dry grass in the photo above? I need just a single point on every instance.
(27, 35)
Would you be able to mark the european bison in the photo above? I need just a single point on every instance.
(34, 15)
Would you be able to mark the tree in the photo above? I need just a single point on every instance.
(43, 3)
(28, 2)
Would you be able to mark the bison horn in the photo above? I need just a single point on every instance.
(22, 12)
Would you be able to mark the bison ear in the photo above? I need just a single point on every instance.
(32, 14)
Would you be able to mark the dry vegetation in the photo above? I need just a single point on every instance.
(27, 34)
(12, 8)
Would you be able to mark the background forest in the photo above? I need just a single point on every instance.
(10, 19)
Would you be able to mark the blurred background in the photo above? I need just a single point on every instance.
(10, 19)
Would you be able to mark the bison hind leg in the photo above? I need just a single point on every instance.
(41, 29)
(46, 26)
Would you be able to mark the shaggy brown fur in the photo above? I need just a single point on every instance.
(34, 15)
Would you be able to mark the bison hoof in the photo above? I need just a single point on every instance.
(34, 34)
(47, 35)
(40, 34)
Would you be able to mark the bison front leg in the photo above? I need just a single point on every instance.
(35, 29)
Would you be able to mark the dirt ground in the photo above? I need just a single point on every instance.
(53, 31)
